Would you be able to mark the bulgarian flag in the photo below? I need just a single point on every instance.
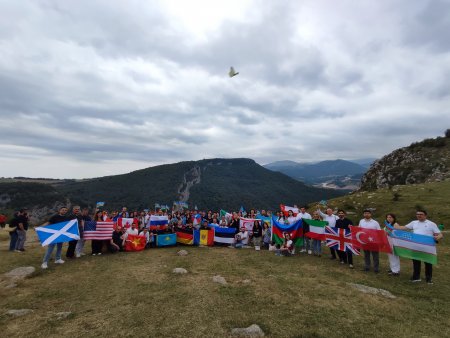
(414, 246)
(316, 229)
(294, 229)
(285, 209)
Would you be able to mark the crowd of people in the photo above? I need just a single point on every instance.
(260, 235)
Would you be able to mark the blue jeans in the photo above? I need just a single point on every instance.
(13, 240)
(317, 246)
(238, 245)
(49, 252)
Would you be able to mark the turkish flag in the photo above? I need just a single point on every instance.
(135, 243)
(370, 239)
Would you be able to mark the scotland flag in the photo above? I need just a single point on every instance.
(58, 233)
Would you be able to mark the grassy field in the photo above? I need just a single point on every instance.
(136, 295)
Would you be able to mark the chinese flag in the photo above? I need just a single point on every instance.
(370, 239)
(134, 243)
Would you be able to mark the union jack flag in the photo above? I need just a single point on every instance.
(340, 239)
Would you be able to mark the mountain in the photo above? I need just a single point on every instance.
(338, 174)
(364, 162)
(425, 161)
(209, 184)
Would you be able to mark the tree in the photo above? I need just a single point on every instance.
(447, 133)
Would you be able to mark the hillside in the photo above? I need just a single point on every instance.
(209, 184)
(339, 174)
(402, 200)
(426, 161)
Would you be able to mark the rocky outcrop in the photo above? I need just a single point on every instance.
(189, 179)
(426, 161)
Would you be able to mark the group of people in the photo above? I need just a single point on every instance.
(260, 236)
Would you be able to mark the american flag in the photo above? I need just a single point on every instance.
(98, 230)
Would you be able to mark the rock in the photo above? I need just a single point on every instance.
(19, 313)
(251, 331)
(179, 270)
(182, 253)
(9, 279)
(62, 315)
(20, 273)
(373, 291)
(219, 279)
(246, 281)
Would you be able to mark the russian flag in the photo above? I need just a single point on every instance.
(158, 222)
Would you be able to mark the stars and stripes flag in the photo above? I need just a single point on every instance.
(98, 230)
(340, 239)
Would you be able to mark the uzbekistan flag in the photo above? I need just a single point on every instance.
(294, 229)
(98, 230)
(414, 246)
(370, 239)
(135, 243)
(224, 236)
(58, 232)
(285, 209)
(316, 229)
(340, 239)
(166, 239)
(158, 222)
(185, 236)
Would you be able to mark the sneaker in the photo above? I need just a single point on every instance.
(77, 255)
(59, 261)
(303, 250)
(99, 253)
(17, 250)
(415, 280)
(342, 262)
(94, 254)
(350, 266)
(44, 265)
(430, 282)
(309, 252)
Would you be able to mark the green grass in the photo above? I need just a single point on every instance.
(136, 295)
(402, 200)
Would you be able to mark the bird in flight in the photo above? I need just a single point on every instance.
(232, 72)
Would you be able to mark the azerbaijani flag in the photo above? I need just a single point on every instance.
(158, 222)
(285, 209)
(185, 236)
(316, 229)
(294, 229)
(414, 246)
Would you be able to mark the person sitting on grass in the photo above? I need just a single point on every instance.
(241, 238)
(146, 234)
(288, 245)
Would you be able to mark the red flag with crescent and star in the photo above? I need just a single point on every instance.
(370, 239)
(135, 243)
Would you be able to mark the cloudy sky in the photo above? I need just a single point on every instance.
(93, 88)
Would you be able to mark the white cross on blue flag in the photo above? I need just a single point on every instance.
(58, 232)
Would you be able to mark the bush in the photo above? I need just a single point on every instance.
(447, 133)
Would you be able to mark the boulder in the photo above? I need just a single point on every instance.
(251, 331)
(18, 313)
(182, 253)
(179, 270)
(9, 279)
(219, 279)
(62, 315)
(371, 290)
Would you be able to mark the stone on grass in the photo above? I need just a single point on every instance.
(62, 315)
(179, 270)
(371, 290)
(246, 281)
(18, 313)
(10, 279)
(182, 253)
(251, 331)
(219, 279)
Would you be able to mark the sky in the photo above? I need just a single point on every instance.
(94, 88)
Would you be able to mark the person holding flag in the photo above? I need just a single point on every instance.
(394, 260)
(61, 216)
(368, 223)
(331, 219)
(344, 223)
(422, 226)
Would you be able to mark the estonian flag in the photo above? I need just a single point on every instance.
(224, 236)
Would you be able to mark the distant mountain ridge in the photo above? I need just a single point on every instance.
(340, 173)
(208, 184)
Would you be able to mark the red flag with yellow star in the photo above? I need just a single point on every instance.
(135, 243)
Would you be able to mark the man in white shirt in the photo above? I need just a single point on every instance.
(130, 231)
(241, 238)
(368, 223)
(331, 219)
(422, 226)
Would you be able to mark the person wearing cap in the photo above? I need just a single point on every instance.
(368, 223)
